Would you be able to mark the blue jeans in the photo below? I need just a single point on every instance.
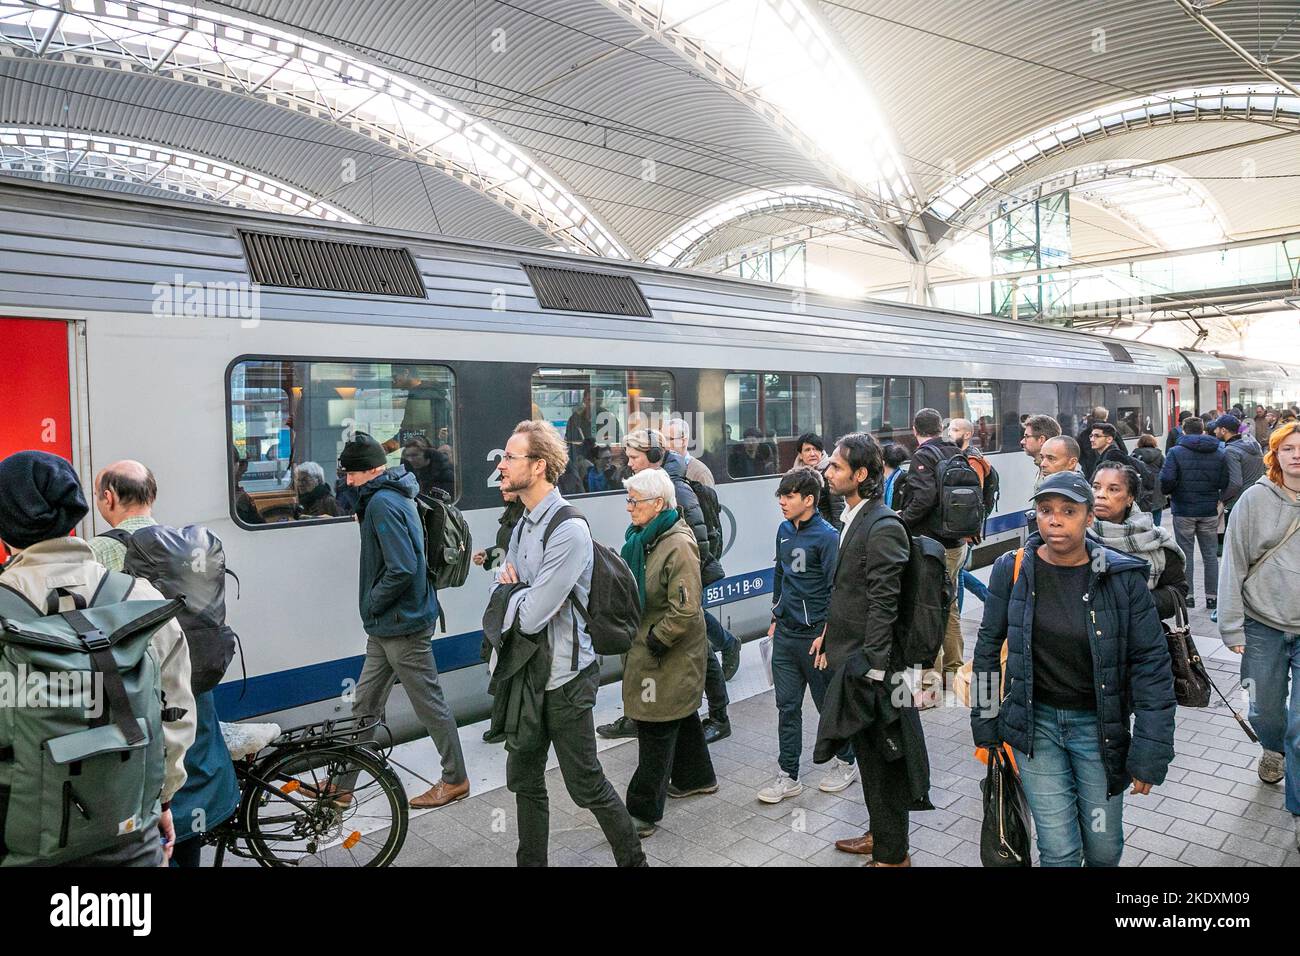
(1271, 659)
(715, 688)
(1065, 783)
(968, 582)
(1155, 516)
(792, 672)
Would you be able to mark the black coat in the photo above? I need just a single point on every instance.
(1132, 675)
(518, 682)
(921, 513)
(688, 506)
(864, 596)
(856, 704)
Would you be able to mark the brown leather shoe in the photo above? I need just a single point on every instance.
(907, 861)
(441, 794)
(864, 844)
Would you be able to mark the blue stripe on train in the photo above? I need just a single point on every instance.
(315, 682)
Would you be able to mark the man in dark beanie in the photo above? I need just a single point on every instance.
(41, 502)
(399, 608)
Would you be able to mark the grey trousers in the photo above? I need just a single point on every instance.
(1188, 532)
(409, 658)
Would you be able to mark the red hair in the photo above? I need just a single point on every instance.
(1280, 434)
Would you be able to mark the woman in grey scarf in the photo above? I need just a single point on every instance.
(1122, 525)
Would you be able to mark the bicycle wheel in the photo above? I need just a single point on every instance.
(325, 806)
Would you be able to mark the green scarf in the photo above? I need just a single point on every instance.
(637, 543)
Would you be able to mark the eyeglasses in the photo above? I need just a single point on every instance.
(509, 457)
(640, 501)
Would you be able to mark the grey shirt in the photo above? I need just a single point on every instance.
(565, 567)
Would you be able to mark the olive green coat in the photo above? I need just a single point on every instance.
(671, 686)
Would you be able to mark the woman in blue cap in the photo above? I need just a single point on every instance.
(1088, 699)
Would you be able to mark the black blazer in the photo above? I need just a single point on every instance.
(868, 578)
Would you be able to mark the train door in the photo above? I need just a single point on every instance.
(1174, 404)
(36, 388)
(1222, 401)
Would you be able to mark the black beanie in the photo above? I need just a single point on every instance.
(362, 453)
(40, 498)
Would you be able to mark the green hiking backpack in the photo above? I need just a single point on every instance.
(81, 743)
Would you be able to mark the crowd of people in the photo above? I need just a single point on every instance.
(1070, 673)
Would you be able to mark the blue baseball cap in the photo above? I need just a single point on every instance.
(1067, 484)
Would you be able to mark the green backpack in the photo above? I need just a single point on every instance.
(81, 744)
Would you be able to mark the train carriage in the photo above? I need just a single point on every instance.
(228, 349)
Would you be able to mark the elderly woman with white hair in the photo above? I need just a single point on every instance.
(663, 677)
(315, 496)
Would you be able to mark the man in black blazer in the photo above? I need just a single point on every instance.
(874, 548)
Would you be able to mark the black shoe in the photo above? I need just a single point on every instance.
(677, 793)
(1211, 603)
(625, 726)
(731, 659)
(715, 730)
(491, 738)
(1191, 602)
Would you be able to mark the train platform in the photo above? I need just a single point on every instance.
(1212, 810)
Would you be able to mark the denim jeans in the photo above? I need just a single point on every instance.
(715, 688)
(792, 673)
(1155, 516)
(1065, 782)
(1188, 532)
(1270, 661)
(968, 582)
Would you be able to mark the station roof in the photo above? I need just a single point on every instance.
(668, 130)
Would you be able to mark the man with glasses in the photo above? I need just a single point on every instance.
(546, 579)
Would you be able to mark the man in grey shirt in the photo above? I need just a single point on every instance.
(535, 457)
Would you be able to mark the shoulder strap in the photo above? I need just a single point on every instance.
(1015, 570)
(100, 650)
(117, 534)
(113, 588)
(561, 515)
(1295, 526)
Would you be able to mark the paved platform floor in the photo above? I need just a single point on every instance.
(1212, 811)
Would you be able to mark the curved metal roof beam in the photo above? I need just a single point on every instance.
(56, 154)
(971, 188)
(1169, 208)
(247, 58)
(676, 248)
(779, 59)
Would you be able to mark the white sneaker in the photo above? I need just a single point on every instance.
(839, 776)
(1272, 766)
(783, 786)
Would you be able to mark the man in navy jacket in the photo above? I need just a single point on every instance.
(1194, 477)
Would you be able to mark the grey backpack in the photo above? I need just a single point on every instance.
(81, 748)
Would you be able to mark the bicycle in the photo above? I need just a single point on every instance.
(318, 795)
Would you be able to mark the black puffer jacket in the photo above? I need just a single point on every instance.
(1131, 671)
(688, 506)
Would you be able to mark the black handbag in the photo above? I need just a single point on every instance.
(1191, 681)
(1004, 834)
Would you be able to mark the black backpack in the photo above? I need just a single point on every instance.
(1150, 482)
(613, 611)
(188, 563)
(712, 511)
(448, 545)
(924, 598)
(961, 498)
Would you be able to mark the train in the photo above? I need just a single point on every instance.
(233, 352)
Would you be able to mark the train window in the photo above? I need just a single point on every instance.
(1246, 399)
(1038, 398)
(1128, 412)
(977, 400)
(289, 421)
(885, 407)
(766, 412)
(594, 409)
(1086, 398)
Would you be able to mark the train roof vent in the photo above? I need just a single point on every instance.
(577, 290)
(298, 263)
(1118, 352)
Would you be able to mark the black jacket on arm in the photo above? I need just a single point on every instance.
(868, 580)
(921, 513)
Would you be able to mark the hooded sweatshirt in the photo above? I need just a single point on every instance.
(394, 596)
(1245, 467)
(1263, 515)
